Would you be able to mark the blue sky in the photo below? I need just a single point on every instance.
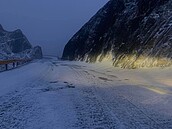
(49, 23)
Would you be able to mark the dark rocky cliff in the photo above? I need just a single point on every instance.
(129, 33)
(16, 45)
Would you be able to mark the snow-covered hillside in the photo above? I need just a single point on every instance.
(52, 94)
(127, 33)
(15, 45)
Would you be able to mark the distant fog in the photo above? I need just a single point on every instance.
(49, 23)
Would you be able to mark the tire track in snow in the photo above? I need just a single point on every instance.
(98, 103)
(131, 115)
(91, 111)
(19, 107)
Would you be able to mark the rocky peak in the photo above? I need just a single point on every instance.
(15, 43)
(37, 52)
(18, 31)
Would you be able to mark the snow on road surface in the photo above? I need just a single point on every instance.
(52, 94)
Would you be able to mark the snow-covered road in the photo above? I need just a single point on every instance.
(52, 94)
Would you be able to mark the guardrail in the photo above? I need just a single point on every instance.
(11, 64)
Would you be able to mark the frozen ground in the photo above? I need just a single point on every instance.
(51, 94)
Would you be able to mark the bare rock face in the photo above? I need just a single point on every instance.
(36, 52)
(16, 45)
(128, 33)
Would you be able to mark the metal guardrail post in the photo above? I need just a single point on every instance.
(14, 63)
(6, 67)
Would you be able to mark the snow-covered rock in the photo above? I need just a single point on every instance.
(16, 45)
(36, 52)
(128, 33)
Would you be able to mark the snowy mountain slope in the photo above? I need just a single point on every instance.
(127, 33)
(52, 94)
(15, 45)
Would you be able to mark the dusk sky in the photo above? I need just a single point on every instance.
(48, 23)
